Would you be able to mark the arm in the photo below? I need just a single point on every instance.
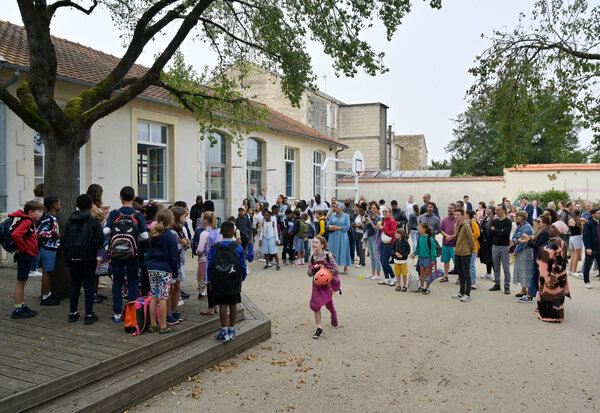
(436, 226)
(19, 232)
(209, 261)
(470, 238)
(242, 257)
(109, 222)
(98, 235)
(587, 236)
(173, 255)
(345, 222)
(202, 242)
(276, 234)
(321, 227)
(142, 226)
(432, 249)
(475, 229)
(506, 230)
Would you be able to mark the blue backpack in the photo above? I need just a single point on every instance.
(6, 239)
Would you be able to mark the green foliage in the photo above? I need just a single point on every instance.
(545, 197)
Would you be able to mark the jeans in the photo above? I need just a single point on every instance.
(385, 254)
(82, 273)
(473, 270)
(119, 268)
(359, 247)
(307, 249)
(533, 284)
(373, 254)
(587, 265)
(463, 264)
(414, 236)
(351, 243)
(501, 256)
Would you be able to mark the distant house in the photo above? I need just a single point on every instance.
(409, 152)
(153, 145)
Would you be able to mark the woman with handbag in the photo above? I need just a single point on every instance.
(387, 230)
(338, 226)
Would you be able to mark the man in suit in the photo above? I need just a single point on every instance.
(468, 206)
(533, 210)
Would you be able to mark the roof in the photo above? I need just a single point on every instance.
(87, 66)
(429, 179)
(555, 167)
(411, 137)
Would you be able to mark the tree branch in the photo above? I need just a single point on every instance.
(182, 94)
(68, 3)
(32, 119)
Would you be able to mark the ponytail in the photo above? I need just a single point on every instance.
(164, 219)
(210, 218)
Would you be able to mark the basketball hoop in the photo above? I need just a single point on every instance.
(358, 163)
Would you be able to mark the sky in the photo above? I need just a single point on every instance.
(428, 60)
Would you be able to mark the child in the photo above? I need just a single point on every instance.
(323, 296)
(268, 240)
(163, 263)
(24, 237)
(179, 217)
(288, 238)
(426, 251)
(322, 224)
(209, 237)
(49, 242)
(400, 253)
(300, 235)
(82, 239)
(311, 232)
(226, 272)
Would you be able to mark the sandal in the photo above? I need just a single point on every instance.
(154, 329)
(165, 330)
(398, 288)
(444, 280)
(207, 312)
(403, 289)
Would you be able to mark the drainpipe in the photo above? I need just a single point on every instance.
(337, 170)
(3, 167)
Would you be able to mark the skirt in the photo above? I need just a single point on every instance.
(269, 246)
(523, 270)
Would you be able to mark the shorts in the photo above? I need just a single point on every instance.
(47, 259)
(23, 266)
(227, 299)
(401, 269)
(447, 254)
(298, 244)
(160, 284)
(424, 262)
(576, 242)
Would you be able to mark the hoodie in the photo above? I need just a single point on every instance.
(79, 218)
(22, 234)
(163, 254)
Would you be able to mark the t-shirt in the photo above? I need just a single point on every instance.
(501, 232)
(448, 227)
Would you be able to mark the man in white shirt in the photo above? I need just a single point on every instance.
(409, 206)
(318, 205)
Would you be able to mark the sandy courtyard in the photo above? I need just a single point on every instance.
(402, 352)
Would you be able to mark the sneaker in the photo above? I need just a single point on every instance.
(375, 277)
(465, 299)
(496, 287)
(177, 316)
(318, 333)
(473, 287)
(453, 271)
(458, 296)
(73, 317)
(420, 289)
(588, 285)
(426, 291)
(171, 321)
(35, 273)
(201, 295)
(262, 260)
(231, 333)
(266, 267)
(525, 299)
(116, 317)
(98, 298)
(180, 302)
(50, 301)
(359, 265)
(392, 282)
(184, 295)
(580, 275)
(488, 276)
(383, 282)
(223, 335)
(278, 267)
(89, 319)
(507, 291)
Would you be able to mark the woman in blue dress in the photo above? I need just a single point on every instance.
(338, 225)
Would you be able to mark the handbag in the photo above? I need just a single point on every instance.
(385, 238)
(435, 274)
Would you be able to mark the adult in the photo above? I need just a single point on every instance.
(196, 211)
(523, 269)
(551, 205)
(465, 245)
(481, 211)
(246, 204)
(485, 242)
(262, 196)
(565, 216)
(430, 218)
(591, 242)
(576, 224)
(349, 209)
(359, 231)
(553, 215)
(587, 214)
(318, 205)
(553, 283)
(500, 232)
(540, 237)
(244, 224)
(426, 201)
(533, 211)
(387, 231)
(338, 226)
(412, 225)
(371, 222)
(280, 202)
(476, 234)
(409, 206)
(447, 231)
(252, 199)
(398, 215)
(468, 205)
(561, 208)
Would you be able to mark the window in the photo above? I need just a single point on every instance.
(317, 173)
(290, 172)
(151, 160)
(254, 151)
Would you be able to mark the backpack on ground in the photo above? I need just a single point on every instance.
(136, 316)
(6, 229)
(77, 241)
(124, 238)
(303, 230)
(226, 270)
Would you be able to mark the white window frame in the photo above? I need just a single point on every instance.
(150, 143)
(317, 172)
(290, 160)
(259, 169)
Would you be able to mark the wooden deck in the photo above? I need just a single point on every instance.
(49, 364)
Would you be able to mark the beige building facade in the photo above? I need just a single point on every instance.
(409, 152)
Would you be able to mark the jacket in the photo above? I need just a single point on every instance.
(426, 247)
(94, 227)
(47, 232)
(163, 254)
(590, 236)
(465, 244)
(389, 227)
(399, 217)
(401, 247)
(24, 234)
(476, 234)
(244, 224)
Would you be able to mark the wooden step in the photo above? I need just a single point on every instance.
(141, 381)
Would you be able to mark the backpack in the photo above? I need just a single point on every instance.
(226, 270)
(136, 316)
(303, 230)
(78, 241)
(311, 231)
(124, 238)
(6, 229)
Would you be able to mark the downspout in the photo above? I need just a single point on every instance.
(3, 167)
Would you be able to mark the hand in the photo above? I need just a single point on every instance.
(526, 237)
(588, 252)
(493, 228)
(412, 256)
(260, 243)
(448, 237)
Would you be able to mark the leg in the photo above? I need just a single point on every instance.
(496, 259)
(152, 310)
(461, 275)
(422, 275)
(318, 317)
(89, 271)
(23, 266)
(162, 313)
(223, 315)
(132, 279)
(232, 314)
(359, 248)
(506, 267)
(117, 285)
(331, 308)
(465, 264)
(472, 268)
(76, 270)
(351, 240)
(46, 282)
(587, 266)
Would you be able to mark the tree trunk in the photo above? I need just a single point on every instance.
(61, 171)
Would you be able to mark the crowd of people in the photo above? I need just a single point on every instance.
(144, 244)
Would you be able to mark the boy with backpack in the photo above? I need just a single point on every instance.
(24, 243)
(126, 228)
(81, 241)
(287, 254)
(49, 242)
(226, 272)
(300, 232)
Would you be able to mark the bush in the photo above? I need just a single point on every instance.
(545, 197)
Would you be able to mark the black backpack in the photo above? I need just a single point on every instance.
(226, 270)
(124, 238)
(78, 242)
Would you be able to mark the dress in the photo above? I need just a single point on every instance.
(338, 240)
(323, 296)
(553, 283)
(523, 270)
(485, 241)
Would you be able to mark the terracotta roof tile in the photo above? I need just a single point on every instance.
(556, 167)
(433, 179)
(82, 63)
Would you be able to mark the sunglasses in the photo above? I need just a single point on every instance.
(539, 221)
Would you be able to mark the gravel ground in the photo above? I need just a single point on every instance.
(403, 352)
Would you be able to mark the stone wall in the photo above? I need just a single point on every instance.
(414, 154)
(362, 127)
